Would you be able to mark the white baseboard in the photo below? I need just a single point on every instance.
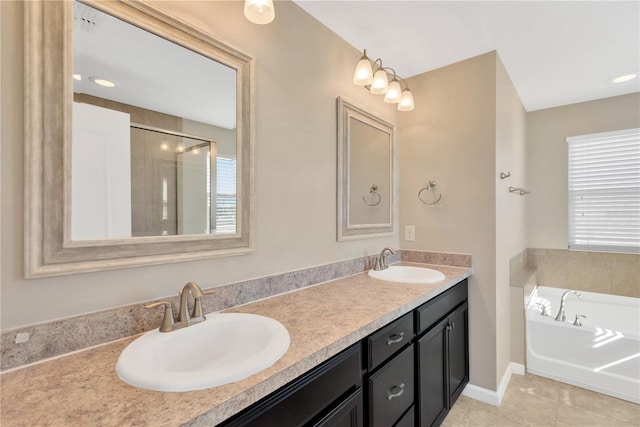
(494, 397)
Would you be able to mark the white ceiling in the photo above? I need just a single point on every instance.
(556, 53)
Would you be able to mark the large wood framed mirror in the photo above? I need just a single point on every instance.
(138, 136)
(366, 193)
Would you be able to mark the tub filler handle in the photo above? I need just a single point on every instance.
(545, 310)
(577, 321)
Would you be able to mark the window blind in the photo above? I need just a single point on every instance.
(226, 195)
(604, 191)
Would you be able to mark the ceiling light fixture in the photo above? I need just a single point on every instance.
(624, 78)
(100, 81)
(259, 11)
(77, 77)
(373, 76)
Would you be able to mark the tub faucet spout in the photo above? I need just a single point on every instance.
(561, 317)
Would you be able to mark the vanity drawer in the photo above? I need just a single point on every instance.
(389, 340)
(408, 419)
(432, 311)
(308, 396)
(391, 390)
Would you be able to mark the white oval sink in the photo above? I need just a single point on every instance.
(407, 274)
(226, 347)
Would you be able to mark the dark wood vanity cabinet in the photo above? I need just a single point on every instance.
(329, 395)
(408, 373)
(442, 357)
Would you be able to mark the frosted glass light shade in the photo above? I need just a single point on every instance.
(393, 93)
(406, 101)
(364, 73)
(380, 83)
(259, 11)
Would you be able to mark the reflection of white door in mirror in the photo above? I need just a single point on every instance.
(170, 82)
(366, 195)
(101, 188)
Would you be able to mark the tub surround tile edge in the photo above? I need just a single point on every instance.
(590, 271)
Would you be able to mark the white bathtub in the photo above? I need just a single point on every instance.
(602, 355)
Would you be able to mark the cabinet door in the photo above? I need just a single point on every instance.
(348, 414)
(432, 376)
(458, 352)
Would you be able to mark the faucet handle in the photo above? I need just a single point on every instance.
(168, 319)
(577, 321)
(545, 310)
(197, 305)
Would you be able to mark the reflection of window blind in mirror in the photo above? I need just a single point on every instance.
(226, 195)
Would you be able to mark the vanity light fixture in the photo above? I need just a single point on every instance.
(100, 81)
(624, 78)
(259, 11)
(373, 76)
(394, 91)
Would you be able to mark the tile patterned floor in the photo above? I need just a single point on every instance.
(535, 401)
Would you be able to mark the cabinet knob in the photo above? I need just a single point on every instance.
(395, 391)
(395, 338)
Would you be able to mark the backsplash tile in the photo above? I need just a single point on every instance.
(602, 272)
(626, 278)
(438, 258)
(59, 337)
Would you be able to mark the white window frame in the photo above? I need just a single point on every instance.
(604, 191)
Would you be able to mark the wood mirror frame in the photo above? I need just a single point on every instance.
(49, 250)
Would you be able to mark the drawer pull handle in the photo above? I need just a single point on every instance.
(395, 391)
(395, 338)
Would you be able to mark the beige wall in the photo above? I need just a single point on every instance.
(547, 159)
(451, 138)
(300, 69)
(510, 207)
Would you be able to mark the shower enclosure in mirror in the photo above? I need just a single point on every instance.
(138, 139)
(366, 196)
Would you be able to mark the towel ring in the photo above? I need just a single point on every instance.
(429, 186)
(373, 191)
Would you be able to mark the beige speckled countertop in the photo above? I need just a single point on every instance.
(83, 388)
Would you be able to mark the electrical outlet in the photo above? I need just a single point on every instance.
(22, 337)
(410, 233)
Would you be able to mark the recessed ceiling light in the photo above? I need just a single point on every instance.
(625, 78)
(102, 81)
(77, 77)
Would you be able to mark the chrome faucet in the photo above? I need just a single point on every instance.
(185, 317)
(561, 317)
(381, 262)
